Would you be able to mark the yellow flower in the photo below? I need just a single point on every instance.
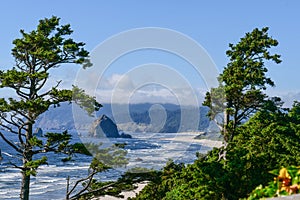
(283, 174)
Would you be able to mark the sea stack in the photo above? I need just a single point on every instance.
(105, 127)
(38, 132)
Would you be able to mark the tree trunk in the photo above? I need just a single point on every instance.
(27, 157)
(25, 186)
(25, 177)
(223, 151)
(225, 125)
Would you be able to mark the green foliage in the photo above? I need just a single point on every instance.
(215, 100)
(54, 142)
(270, 135)
(55, 138)
(49, 44)
(121, 145)
(32, 166)
(162, 182)
(85, 101)
(113, 156)
(200, 180)
(35, 142)
(261, 192)
(99, 166)
(267, 141)
(243, 80)
(247, 61)
(80, 148)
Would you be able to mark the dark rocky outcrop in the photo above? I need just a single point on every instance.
(214, 135)
(38, 132)
(125, 135)
(105, 127)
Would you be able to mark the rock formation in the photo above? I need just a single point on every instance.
(38, 132)
(105, 127)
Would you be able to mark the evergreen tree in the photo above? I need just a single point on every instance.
(37, 53)
(242, 82)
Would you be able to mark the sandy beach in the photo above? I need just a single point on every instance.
(189, 137)
(126, 194)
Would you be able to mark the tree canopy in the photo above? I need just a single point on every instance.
(243, 80)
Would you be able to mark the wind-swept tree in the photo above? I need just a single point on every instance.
(37, 53)
(243, 81)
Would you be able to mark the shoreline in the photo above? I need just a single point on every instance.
(189, 137)
(126, 194)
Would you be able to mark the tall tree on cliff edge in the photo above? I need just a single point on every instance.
(37, 53)
(240, 93)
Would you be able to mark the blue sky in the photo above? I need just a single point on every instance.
(213, 24)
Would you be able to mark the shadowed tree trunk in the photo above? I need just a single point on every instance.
(25, 186)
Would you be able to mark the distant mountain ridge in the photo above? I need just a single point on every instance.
(138, 120)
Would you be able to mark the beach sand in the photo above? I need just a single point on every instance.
(126, 194)
(189, 137)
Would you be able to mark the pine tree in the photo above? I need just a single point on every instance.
(36, 54)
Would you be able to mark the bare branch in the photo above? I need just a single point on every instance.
(42, 84)
(12, 121)
(22, 114)
(9, 128)
(48, 92)
(99, 189)
(10, 143)
(20, 136)
(90, 177)
(22, 94)
(15, 166)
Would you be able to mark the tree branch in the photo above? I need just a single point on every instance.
(93, 191)
(48, 92)
(42, 84)
(9, 129)
(10, 143)
(15, 166)
(90, 177)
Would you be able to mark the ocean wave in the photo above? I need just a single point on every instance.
(9, 176)
(53, 168)
(149, 151)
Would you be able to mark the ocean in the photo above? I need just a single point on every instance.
(148, 150)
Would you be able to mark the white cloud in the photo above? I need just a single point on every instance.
(122, 89)
(289, 98)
